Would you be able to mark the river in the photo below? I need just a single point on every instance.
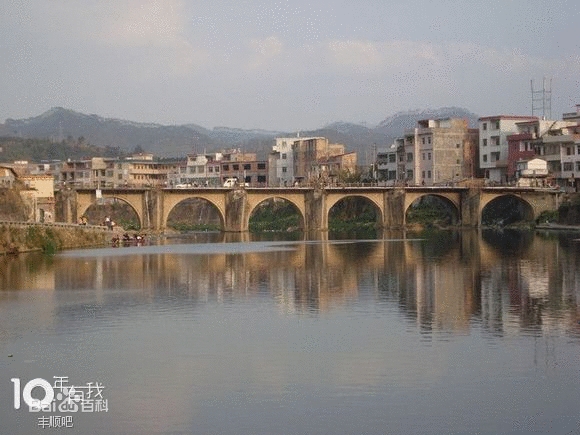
(450, 333)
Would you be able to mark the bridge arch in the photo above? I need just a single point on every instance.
(275, 198)
(87, 202)
(451, 199)
(172, 201)
(376, 200)
(294, 198)
(510, 206)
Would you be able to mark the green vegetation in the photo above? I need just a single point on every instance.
(548, 216)
(569, 211)
(352, 213)
(429, 214)
(13, 207)
(275, 215)
(194, 214)
(49, 240)
(45, 238)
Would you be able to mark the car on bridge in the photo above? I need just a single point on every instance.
(233, 182)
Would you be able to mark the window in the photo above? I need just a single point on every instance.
(484, 126)
(261, 166)
(568, 166)
(423, 174)
(247, 167)
(410, 173)
(497, 124)
(569, 151)
(283, 156)
(409, 157)
(428, 174)
(236, 167)
(484, 142)
(217, 168)
(392, 158)
(423, 140)
(210, 169)
(494, 156)
(226, 167)
(428, 156)
(577, 166)
(423, 156)
(429, 140)
(485, 157)
(457, 145)
(284, 169)
(261, 178)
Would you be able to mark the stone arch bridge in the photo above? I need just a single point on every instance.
(235, 206)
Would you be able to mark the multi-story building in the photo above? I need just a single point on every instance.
(245, 167)
(560, 148)
(493, 144)
(281, 162)
(523, 143)
(330, 169)
(436, 151)
(573, 116)
(386, 163)
(8, 177)
(39, 195)
(140, 170)
(308, 153)
(198, 170)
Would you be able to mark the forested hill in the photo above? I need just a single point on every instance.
(39, 150)
(59, 124)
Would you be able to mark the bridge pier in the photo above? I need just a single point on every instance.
(315, 219)
(236, 211)
(394, 209)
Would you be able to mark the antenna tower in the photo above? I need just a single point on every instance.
(542, 99)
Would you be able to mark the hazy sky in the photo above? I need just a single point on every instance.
(289, 64)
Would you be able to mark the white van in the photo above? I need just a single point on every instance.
(232, 182)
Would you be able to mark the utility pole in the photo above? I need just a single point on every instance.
(542, 99)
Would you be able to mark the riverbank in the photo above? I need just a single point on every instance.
(49, 238)
(559, 227)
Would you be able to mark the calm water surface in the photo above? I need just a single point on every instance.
(455, 333)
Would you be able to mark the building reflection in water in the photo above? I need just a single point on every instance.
(444, 283)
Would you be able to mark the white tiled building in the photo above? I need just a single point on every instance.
(493, 144)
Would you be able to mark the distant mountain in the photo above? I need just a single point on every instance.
(58, 124)
(395, 125)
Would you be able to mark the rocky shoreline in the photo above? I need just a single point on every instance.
(17, 238)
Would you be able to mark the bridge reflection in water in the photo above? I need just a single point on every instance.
(235, 206)
(439, 283)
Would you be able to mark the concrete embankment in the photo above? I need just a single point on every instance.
(16, 237)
